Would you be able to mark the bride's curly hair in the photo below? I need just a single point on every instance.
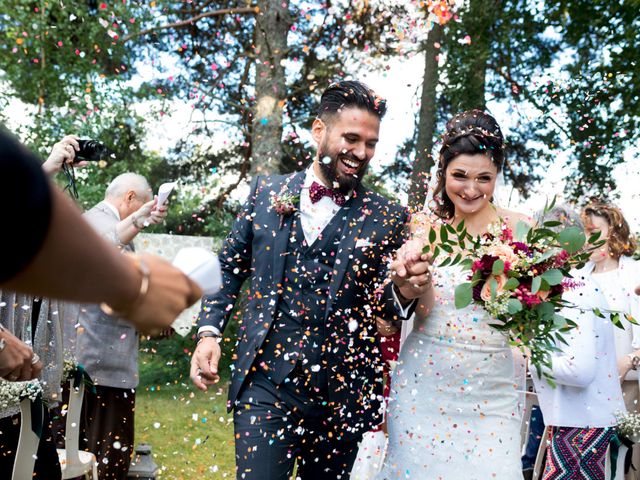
(470, 132)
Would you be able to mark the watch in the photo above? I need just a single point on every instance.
(635, 361)
(134, 221)
(208, 333)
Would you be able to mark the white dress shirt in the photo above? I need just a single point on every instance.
(314, 217)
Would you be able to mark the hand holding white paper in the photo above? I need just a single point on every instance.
(164, 191)
(201, 266)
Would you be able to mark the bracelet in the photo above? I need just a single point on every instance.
(144, 288)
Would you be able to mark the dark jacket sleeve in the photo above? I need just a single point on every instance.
(25, 200)
(235, 262)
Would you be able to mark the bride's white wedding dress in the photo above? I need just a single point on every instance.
(454, 409)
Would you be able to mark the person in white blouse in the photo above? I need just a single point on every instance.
(617, 275)
(580, 409)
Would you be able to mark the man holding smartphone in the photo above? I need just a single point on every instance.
(106, 344)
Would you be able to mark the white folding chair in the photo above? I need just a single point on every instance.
(619, 464)
(538, 468)
(27, 445)
(74, 462)
(530, 400)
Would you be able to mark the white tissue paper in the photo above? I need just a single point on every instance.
(201, 266)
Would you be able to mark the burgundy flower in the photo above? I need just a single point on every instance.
(485, 264)
(556, 290)
(521, 247)
(560, 259)
(476, 291)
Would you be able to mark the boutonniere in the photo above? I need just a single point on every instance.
(284, 203)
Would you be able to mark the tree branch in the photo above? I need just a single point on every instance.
(507, 76)
(191, 21)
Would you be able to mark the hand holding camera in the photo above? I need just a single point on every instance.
(63, 153)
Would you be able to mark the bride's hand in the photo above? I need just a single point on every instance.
(411, 270)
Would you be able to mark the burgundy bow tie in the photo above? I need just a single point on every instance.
(317, 191)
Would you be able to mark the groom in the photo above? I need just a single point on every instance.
(307, 373)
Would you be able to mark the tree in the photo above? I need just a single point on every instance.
(567, 80)
(271, 31)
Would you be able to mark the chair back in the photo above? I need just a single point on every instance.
(27, 445)
(72, 432)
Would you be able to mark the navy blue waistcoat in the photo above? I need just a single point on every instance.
(297, 333)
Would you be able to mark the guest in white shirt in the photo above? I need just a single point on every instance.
(579, 410)
(616, 275)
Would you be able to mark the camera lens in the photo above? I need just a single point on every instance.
(92, 150)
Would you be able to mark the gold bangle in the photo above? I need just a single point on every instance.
(142, 293)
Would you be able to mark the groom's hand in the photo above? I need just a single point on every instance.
(411, 270)
(204, 363)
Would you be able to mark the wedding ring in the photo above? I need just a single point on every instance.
(35, 359)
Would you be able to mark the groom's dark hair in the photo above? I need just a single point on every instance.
(350, 93)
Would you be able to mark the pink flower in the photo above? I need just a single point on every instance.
(501, 280)
(543, 294)
(504, 253)
(284, 204)
(570, 284)
(525, 296)
(507, 234)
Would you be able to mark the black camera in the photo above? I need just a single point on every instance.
(91, 150)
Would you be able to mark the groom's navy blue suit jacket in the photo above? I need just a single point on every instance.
(256, 248)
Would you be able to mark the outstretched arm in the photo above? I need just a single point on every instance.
(53, 252)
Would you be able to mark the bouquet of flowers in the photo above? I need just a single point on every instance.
(519, 277)
(11, 393)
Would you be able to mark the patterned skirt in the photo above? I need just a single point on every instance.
(577, 453)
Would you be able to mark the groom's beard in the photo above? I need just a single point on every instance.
(346, 183)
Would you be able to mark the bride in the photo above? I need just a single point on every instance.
(453, 411)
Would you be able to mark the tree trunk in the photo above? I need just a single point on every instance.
(426, 121)
(272, 27)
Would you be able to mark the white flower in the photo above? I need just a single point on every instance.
(12, 392)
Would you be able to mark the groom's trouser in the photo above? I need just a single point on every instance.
(275, 425)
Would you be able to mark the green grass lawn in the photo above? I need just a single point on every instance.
(190, 432)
